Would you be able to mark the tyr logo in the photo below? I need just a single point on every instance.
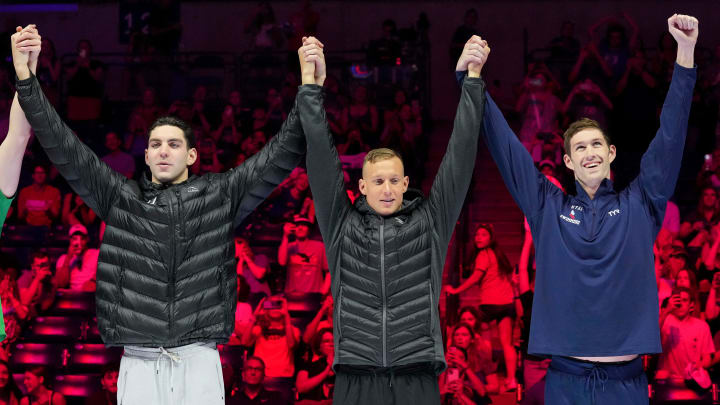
(614, 212)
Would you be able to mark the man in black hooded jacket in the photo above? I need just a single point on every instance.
(387, 250)
(166, 282)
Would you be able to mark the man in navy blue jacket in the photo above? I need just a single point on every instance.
(596, 307)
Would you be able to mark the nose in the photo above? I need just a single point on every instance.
(387, 188)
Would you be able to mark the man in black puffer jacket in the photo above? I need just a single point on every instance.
(386, 252)
(166, 278)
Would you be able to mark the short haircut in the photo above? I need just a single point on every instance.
(579, 125)
(256, 358)
(379, 154)
(178, 123)
(39, 254)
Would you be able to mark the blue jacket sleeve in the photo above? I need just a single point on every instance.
(528, 187)
(660, 164)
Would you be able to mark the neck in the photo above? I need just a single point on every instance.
(252, 390)
(178, 180)
(590, 189)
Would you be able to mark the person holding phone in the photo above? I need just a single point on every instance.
(493, 273)
(304, 258)
(456, 383)
(273, 337)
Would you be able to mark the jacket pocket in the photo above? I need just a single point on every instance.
(432, 308)
(338, 312)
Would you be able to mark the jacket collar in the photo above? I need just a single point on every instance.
(148, 186)
(606, 188)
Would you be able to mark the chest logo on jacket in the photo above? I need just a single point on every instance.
(614, 212)
(572, 216)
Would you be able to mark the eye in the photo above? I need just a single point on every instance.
(597, 143)
(395, 181)
(378, 182)
(174, 145)
(580, 148)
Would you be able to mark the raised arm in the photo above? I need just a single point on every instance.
(525, 183)
(660, 165)
(448, 191)
(89, 177)
(13, 147)
(252, 182)
(323, 164)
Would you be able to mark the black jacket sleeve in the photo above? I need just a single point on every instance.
(323, 164)
(448, 191)
(94, 181)
(251, 182)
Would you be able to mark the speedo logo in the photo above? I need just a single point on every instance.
(571, 220)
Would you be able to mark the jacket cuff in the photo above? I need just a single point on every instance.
(24, 87)
(460, 77)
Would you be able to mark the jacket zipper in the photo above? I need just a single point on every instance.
(172, 268)
(384, 297)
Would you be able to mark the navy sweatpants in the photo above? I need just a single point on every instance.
(575, 382)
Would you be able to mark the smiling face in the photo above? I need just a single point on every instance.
(168, 155)
(589, 157)
(383, 184)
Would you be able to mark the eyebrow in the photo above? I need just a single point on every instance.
(590, 141)
(169, 140)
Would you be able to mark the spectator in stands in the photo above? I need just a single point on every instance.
(85, 84)
(292, 200)
(149, 109)
(39, 203)
(587, 100)
(119, 160)
(267, 34)
(136, 138)
(75, 211)
(10, 394)
(361, 114)
(253, 391)
(316, 380)
(252, 267)
(273, 337)
(478, 357)
(399, 100)
(244, 317)
(78, 267)
(354, 143)
(615, 47)
(385, 50)
(303, 22)
(207, 161)
(686, 340)
(37, 393)
(322, 320)
(456, 386)
(538, 106)
(704, 218)
(198, 118)
(335, 104)
(227, 135)
(564, 51)
(463, 32)
(304, 258)
(48, 71)
(37, 287)
(109, 393)
(590, 64)
(493, 272)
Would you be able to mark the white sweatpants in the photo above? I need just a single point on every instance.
(185, 375)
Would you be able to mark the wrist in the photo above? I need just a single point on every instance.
(22, 71)
(308, 79)
(685, 56)
(320, 80)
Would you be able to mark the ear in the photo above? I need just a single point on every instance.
(612, 154)
(147, 160)
(406, 183)
(568, 162)
(192, 156)
(362, 185)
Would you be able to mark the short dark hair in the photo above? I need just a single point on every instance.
(317, 339)
(178, 123)
(39, 254)
(256, 358)
(39, 371)
(579, 125)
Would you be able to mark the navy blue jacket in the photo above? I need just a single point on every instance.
(595, 288)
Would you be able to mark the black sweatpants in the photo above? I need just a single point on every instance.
(404, 385)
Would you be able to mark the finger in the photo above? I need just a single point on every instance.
(18, 28)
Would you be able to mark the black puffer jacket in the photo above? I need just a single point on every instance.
(166, 272)
(387, 271)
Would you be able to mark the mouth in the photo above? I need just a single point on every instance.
(164, 165)
(591, 165)
(387, 202)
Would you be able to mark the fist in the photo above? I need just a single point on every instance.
(473, 56)
(684, 29)
(288, 228)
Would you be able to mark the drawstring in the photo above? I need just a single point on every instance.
(594, 375)
(392, 377)
(174, 358)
